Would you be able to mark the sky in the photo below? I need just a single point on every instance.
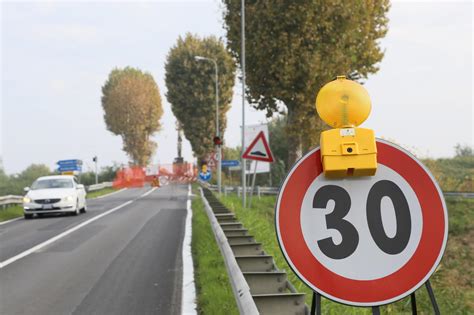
(56, 55)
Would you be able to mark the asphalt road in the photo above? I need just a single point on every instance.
(126, 262)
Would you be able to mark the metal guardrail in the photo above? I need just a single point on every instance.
(241, 289)
(14, 200)
(262, 190)
(468, 195)
(258, 190)
(99, 186)
(10, 200)
(270, 289)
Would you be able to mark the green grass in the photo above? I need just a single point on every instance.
(100, 192)
(11, 213)
(452, 282)
(214, 293)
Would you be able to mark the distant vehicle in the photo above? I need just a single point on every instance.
(54, 194)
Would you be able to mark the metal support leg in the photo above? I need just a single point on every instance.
(316, 304)
(432, 297)
(375, 310)
(413, 304)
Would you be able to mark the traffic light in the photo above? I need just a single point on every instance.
(94, 159)
(217, 140)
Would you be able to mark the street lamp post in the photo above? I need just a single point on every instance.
(219, 148)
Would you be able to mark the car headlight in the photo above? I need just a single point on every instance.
(69, 198)
(26, 199)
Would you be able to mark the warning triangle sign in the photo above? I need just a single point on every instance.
(259, 149)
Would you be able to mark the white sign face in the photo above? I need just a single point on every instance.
(152, 169)
(211, 159)
(251, 132)
(314, 223)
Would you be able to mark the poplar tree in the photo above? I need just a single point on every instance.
(132, 109)
(294, 47)
(191, 88)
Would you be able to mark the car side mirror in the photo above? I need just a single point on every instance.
(80, 186)
(26, 189)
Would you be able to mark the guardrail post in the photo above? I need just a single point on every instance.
(258, 192)
(238, 191)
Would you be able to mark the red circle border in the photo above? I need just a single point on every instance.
(363, 292)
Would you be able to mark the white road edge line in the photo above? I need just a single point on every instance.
(67, 232)
(12, 220)
(188, 302)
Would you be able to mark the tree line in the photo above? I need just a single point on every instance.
(452, 174)
(15, 183)
(292, 50)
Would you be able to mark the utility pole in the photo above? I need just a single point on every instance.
(96, 170)
(244, 190)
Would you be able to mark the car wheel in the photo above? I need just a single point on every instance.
(84, 209)
(28, 216)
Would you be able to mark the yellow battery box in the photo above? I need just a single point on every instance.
(348, 152)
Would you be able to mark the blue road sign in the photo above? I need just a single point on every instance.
(205, 176)
(68, 168)
(230, 163)
(69, 162)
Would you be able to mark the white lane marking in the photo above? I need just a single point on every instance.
(188, 303)
(12, 220)
(107, 195)
(67, 232)
(148, 192)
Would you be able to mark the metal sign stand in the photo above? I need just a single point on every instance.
(253, 183)
(316, 303)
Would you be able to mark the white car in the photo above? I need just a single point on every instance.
(54, 194)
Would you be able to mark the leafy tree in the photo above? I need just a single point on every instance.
(191, 88)
(231, 153)
(463, 150)
(132, 109)
(14, 184)
(34, 171)
(106, 174)
(279, 139)
(293, 48)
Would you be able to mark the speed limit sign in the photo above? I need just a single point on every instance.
(363, 241)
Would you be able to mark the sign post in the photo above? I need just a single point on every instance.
(363, 241)
(258, 150)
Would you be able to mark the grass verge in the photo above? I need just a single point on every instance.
(214, 293)
(452, 282)
(11, 212)
(100, 192)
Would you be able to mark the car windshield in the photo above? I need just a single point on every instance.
(52, 183)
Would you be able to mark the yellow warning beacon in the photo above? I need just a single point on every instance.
(346, 150)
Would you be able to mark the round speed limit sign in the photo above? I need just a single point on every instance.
(362, 241)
